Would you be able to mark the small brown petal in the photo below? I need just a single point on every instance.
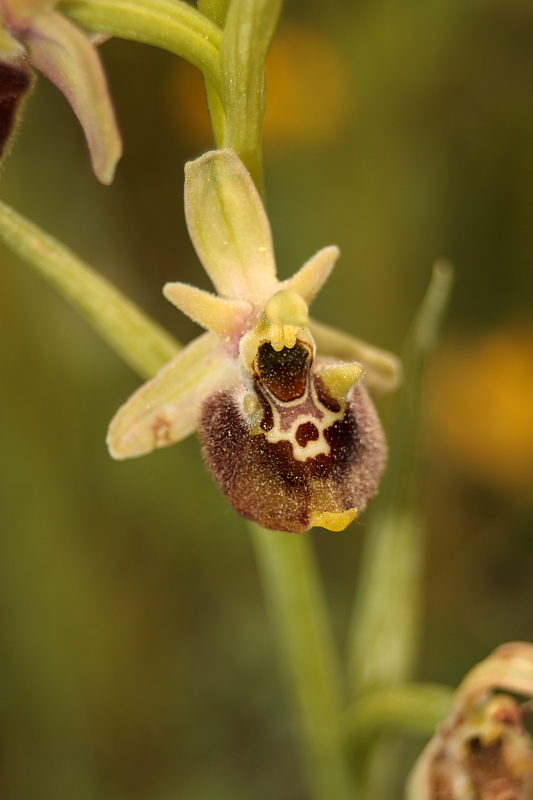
(61, 51)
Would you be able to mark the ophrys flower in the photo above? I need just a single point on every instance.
(292, 438)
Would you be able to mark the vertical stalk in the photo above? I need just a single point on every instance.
(306, 648)
(291, 584)
(216, 11)
(248, 31)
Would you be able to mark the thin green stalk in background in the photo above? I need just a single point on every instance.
(384, 630)
(385, 623)
(292, 586)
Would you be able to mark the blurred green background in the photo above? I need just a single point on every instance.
(136, 661)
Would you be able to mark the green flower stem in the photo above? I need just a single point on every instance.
(301, 627)
(216, 114)
(291, 584)
(384, 631)
(140, 341)
(248, 31)
(169, 24)
(216, 11)
(412, 707)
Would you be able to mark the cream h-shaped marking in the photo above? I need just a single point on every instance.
(283, 324)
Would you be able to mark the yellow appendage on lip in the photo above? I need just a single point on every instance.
(283, 322)
(286, 313)
(333, 520)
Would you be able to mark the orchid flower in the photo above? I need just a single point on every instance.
(483, 751)
(33, 33)
(291, 437)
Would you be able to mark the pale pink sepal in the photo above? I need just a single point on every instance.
(309, 280)
(226, 318)
(166, 409)
(58, 49)
(229, 227)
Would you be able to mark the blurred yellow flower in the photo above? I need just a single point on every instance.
(307, 88)
(307, 92)
(482, 406)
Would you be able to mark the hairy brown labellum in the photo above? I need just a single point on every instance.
(286, 453)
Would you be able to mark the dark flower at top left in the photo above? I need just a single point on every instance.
(34, 34)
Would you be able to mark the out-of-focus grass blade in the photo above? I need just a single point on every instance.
(384, 631)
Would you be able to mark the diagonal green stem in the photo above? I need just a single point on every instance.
(412, 707)
(305, 643)
(169, 24)
(140, 341)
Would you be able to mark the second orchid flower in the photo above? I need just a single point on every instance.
(33, 33)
